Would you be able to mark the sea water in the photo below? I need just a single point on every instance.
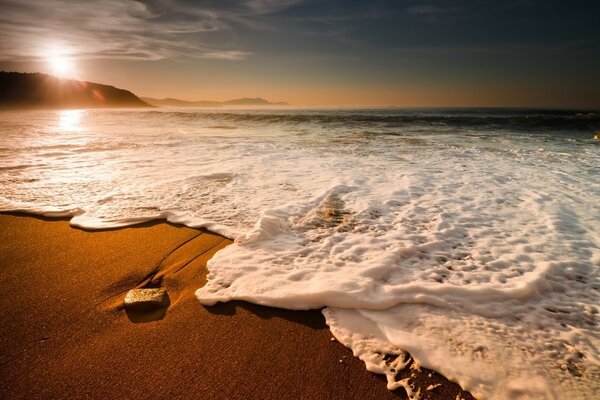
(469, 238)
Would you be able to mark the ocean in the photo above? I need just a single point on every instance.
(468, 237)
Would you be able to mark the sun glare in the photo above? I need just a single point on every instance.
(61, 67)
(70, 120)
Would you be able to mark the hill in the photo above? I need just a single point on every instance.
(35, 90)
(251, 102)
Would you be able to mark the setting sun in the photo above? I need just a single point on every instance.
(61, 66)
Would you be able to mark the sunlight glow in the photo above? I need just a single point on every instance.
(61, 66)
(70, 120)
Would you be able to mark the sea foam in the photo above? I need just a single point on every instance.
(468, 238)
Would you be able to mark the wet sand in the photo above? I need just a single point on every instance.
(65, 333)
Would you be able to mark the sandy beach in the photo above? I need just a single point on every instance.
(407, 189)
(65, 334)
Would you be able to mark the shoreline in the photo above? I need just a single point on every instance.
(67, 335)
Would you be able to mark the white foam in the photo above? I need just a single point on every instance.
(477, 252)
(496, 289)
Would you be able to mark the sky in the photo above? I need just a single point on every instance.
(522, 53)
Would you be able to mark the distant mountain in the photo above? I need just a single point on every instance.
(257, 101)
(169, 102)
(35, 90)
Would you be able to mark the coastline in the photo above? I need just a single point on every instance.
(65, 333)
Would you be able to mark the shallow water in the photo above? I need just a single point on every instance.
(470, 238)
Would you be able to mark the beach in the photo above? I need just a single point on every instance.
(65, 334)
(433, 233)
(299, 200)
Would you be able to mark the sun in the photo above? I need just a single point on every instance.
(61, 66)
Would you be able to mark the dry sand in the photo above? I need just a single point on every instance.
(64, 332)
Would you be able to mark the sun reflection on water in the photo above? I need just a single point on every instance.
(70, 120)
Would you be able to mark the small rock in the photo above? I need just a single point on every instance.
(146, 299)
(433, 387)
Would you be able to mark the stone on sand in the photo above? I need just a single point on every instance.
(146, 299)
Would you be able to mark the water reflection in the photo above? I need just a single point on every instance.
(70, 120)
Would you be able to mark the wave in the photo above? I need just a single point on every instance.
(496, 119)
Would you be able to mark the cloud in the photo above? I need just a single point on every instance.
(425, 9)
(432, 13)
(131, 29)
(269, 6)
(231, 55)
